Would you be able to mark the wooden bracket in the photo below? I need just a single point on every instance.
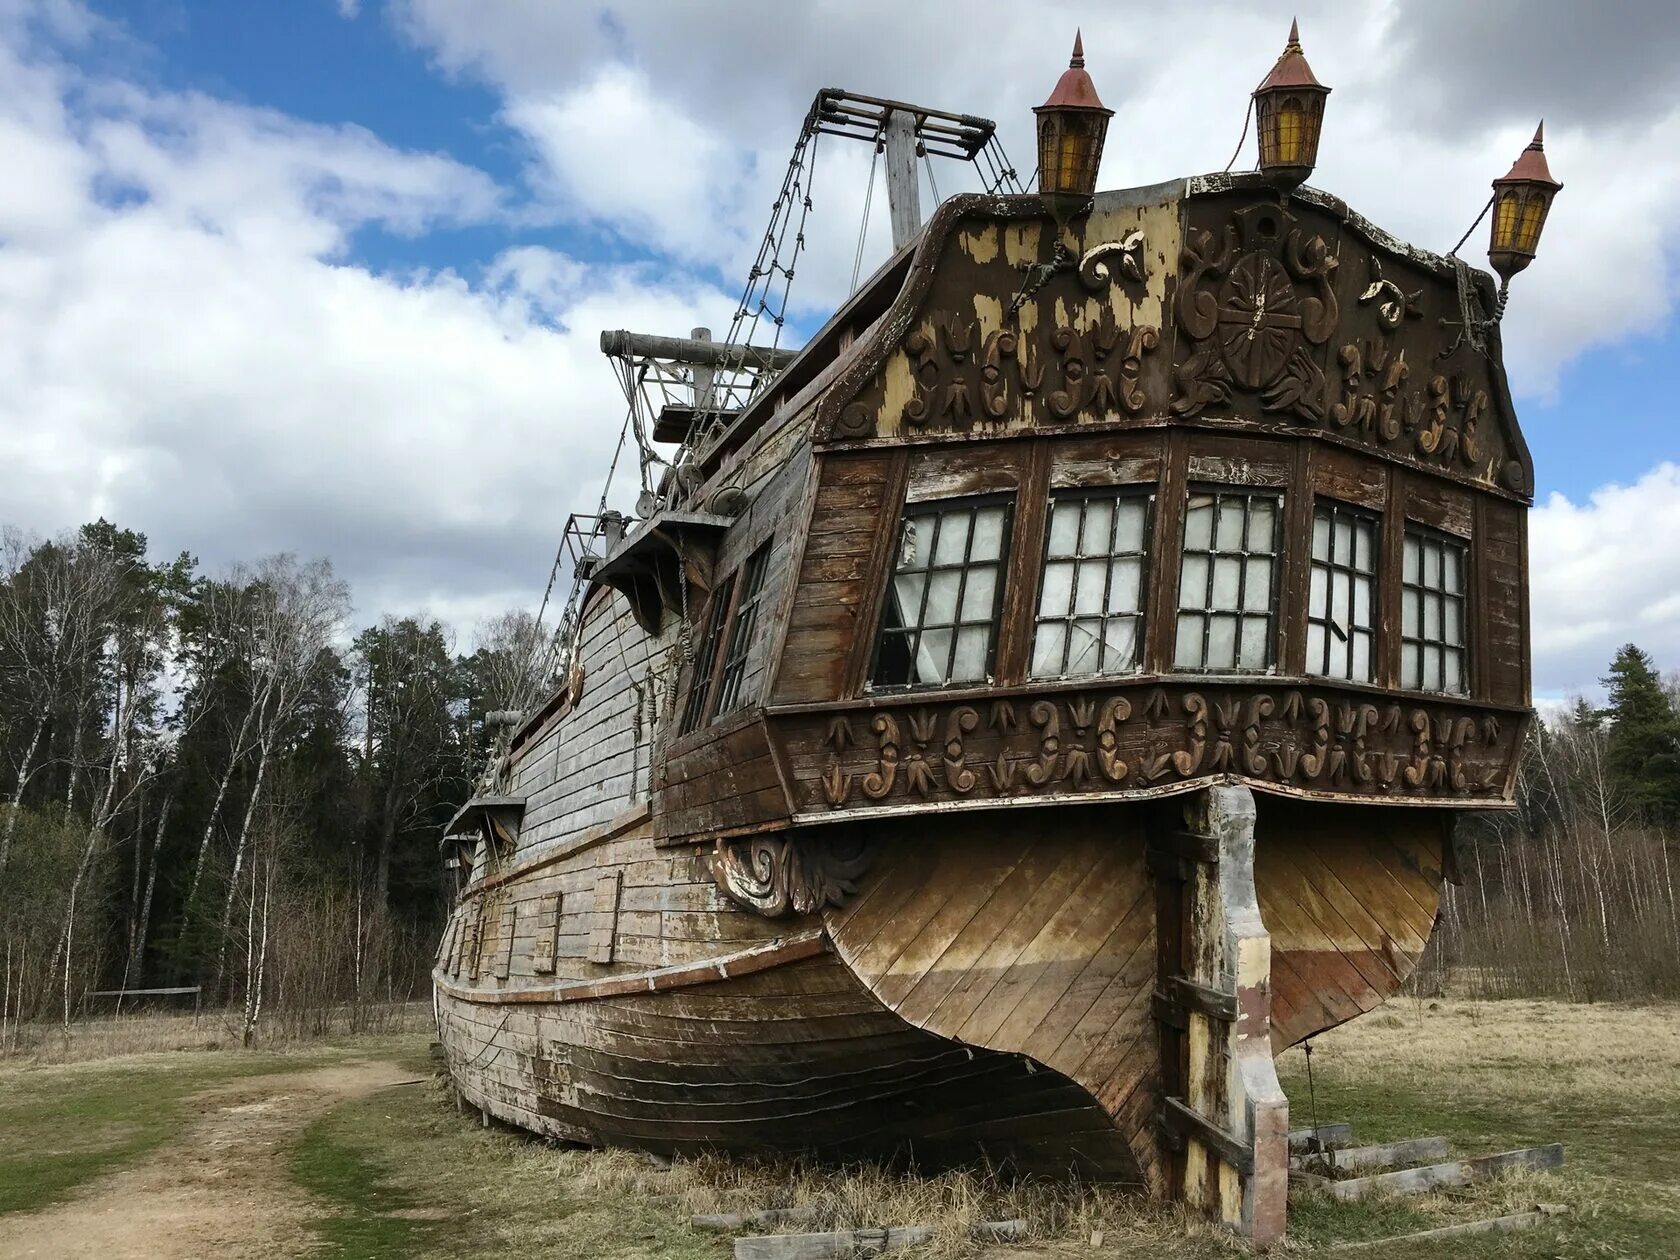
(1185, 1122)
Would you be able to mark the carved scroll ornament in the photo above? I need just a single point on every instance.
(792, 874)
(1073, 743)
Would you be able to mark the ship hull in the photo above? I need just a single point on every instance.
(986, 994)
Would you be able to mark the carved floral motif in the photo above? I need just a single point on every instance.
(789, 874)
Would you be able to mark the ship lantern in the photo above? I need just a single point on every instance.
(1071, 127)
(1520, 203)
(1288, 113)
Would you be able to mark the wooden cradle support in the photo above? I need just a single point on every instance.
(1224, 1118)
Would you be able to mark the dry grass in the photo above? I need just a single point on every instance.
(155, 1032)
(866, 1196)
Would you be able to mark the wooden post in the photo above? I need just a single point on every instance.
(904, 187)
(1224, 1115)
(702, 375)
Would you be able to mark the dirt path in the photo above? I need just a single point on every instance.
(222, 1189)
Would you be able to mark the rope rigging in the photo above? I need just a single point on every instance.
(712, 391)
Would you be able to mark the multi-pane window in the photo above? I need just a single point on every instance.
(1090, 601)
(741, 631)
(1432, 589)
(1341, 604)
(1225, 585)
(705, 657)
(939, 623)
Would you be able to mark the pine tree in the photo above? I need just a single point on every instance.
(1644, 756)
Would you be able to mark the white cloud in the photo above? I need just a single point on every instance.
(697, 107)
(1605, 572)
(185, 349)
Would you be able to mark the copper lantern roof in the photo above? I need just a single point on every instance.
(1291, 70)
(1531, 163)
(1074, 90)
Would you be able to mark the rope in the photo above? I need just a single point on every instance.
(932, 182)
(1453, 252)
(1242, 139)
(1312, 1105)
(863, 228)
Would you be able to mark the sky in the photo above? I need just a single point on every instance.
(327, 276)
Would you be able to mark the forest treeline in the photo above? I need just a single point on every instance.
(1572, 894)
(210, 780)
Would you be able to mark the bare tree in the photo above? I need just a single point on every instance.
(296, 611)
(56, 603)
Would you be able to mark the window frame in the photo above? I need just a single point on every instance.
(1279, 496)
(973, 504)
(732, 669)
(702, 684)
(1428, 534)
(1115, 494)
(1375, 577)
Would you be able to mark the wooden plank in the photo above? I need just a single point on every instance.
(605, 930)
(504, 951)
(1542, 1213)
(1326, 1136)
(1383, 1155)
(1447, 1175)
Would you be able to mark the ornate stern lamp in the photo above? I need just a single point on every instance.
(1288, 113)
(1520, 203)
(1071, 127)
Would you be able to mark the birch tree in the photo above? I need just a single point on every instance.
(296, 611)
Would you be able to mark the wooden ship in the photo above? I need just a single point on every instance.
(1023, 711)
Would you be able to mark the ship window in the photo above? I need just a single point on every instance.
(700, 687)
(1341, 605)
(1225, 585)
(741, 630)
(1090, 600)
(1432, 593)
(940, 621)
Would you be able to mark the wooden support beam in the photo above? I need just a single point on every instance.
(1327, 1136)
(1204, 1000)
(1447, 1175)
(1386, 1155)
(1189, 1123)
(1224, 1115)
(1542, 1213)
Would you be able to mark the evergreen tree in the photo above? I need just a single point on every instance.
(1644, 755)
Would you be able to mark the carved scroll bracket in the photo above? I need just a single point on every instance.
(796, 874)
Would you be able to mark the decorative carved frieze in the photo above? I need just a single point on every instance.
(1304, 738)
(790, 873)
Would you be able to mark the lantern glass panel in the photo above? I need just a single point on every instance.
(1532, 220)
(1505, 215)
(1291, 132)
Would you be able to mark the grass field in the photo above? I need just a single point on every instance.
(398, 1172)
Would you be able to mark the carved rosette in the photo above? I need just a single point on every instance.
(1254, 304)
(1070, 744)
(789, 874)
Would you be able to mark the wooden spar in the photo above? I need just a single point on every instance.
(904, 198)
(713, 354)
